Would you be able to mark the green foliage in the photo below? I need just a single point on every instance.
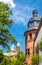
(1, 56)
(19, 60)
(5, 24)
(40, 45)
(35, 59)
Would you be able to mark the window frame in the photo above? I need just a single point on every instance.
(30, 35)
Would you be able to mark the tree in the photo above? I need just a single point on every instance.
(35, 59)
(20, 58)
(1, 56)
(5, 24)
(39, 45)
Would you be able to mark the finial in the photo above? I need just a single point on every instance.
(35, 12)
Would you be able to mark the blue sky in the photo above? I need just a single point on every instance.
(22, 11)
(21, 14)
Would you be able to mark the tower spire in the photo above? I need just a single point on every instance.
(18, 47)
(12, 48)
(34, 20)
(35, 12)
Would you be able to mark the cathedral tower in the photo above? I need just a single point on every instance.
(30, 35)
(18, 47)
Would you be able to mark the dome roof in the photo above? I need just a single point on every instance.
(35, 11)
(34, 20)
(35, 16)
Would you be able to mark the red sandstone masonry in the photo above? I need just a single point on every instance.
(30, 44)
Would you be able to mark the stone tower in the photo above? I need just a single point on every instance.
(18, 47)
(12, 49)
(30, 35)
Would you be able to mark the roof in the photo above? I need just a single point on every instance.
(29, 31)
(34, 19)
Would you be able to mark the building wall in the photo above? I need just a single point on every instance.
(39, 36)
(29, 45)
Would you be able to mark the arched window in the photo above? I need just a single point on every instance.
(26, 38)
(28, 52)
(30, 35)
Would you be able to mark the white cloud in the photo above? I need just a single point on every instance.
(19, 17)
(21, 14)
(9, 2)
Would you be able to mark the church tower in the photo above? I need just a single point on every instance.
(18, 47)
(30, 35)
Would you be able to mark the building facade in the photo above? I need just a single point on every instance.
(38, 39)
(30, 35)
